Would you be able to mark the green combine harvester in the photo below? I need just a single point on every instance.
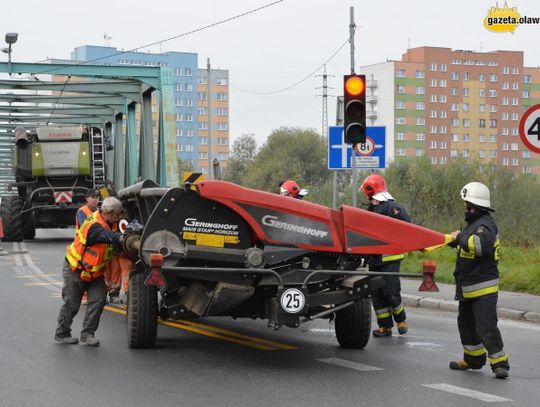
(53, 168)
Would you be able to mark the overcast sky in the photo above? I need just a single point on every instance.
(268, 50)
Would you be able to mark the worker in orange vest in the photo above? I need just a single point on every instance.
(93, 247)
(92, 201)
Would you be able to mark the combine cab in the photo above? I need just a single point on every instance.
(54, 167)
(218, 249)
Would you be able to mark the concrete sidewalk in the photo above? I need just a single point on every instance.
(517, 306)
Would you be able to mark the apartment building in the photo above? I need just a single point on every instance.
(444, 103)
(190, 99)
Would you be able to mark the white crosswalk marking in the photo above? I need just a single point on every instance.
(462, 391)
(349, 364)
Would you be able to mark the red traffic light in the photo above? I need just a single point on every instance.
(355, 85)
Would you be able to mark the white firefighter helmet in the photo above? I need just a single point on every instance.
(477, 194)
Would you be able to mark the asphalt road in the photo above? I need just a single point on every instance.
(221, 362)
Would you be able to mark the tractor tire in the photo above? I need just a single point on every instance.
(11, 214)
(29, 226)
(142, 313)
(353, 324)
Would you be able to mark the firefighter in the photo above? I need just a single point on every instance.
(83, 269)
(386, 301)
(477, 284)
(92, 201)
(291, 188)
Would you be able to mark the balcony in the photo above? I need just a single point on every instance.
(371, 99)
(371, 84)
(371, 115)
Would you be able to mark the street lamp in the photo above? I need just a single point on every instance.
(11, 38)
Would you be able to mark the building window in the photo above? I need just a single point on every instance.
(179, 147)
(466, 76)
(482, 92)
(222, 141)
(222, 96)
(526, 94)
(420, 137)
(482, 153)
(515, 162)
(419, 152)
(481, 107)
(433, 98)
(432, 145)
(442, 83)
(433, 83)
(222, 156)
(515, 101)
(203, 141)
(203, 155)
(189, 117)
(202, 96)
(506, 70)
(505, 131)
(514, 146)
(466, 138)
(221, 81)
(420, 121)
(455, 138)
(454, 107)
(203, 111)
(178, 101)
(400, 73)
(505, 146)
(433, 67)
(526, 155)
(188, 147)
(178, 87)
(493, 153)
(454, 76)
(420, 74)
(527, 79)
(482, 77)
(433, 160)
(466, 107)
(189, 87)
(432, 129)
(420, 90)
(493, 138)
(493, 77)
(466, 123)
(189, 102)
(223, 126)
(400, 88)
(455, 122)
(400, 136)
(465, 91)
(465, 152)
(400, 104)
(442, 160)
(400, 152)
(506, 85)
(515, 131)
(400, 120)
(188, 71)
(442, 129)
(442, 145)
(453, 153)
(492, 123)
(505, 161)
(433, 114)
(454, 92)
(527, 169)
(515, 70)
(482, 123)
(222, 111)
(506, 116)
(505, 101)
(443, 68)
(482, 138)
(442, 114)
(202, 80)
(442, 98)
(203, 125)
(493, 93)
(178, 71)
(515, 85)
(178, 117)
(493, 108)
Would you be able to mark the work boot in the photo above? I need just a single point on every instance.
(66, 340)
(501, 373)
(462, 365)
(90, 340)
(114, 297)
(402, 328)
(380, 332)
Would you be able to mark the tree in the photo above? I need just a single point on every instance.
(244, 150)
(289, 153)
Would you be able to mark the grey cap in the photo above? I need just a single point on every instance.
(92, 192)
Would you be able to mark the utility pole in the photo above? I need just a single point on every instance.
(209, 95)
(352, 27)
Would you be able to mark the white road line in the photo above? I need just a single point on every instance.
(349, 364)
(39, 273)
(17, 257)
(462, 391)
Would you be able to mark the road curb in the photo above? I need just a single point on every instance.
(452, 306)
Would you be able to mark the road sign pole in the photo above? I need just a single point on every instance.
(352, 27)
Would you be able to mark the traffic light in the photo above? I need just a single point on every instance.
(354, 92)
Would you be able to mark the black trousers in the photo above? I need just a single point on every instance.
(477, 324)
(72, 292)
(387, 300)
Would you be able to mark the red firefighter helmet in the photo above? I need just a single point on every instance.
(291, 188)
(374, 184)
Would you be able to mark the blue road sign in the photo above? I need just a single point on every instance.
(368, 156)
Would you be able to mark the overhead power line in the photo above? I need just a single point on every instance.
(309, 75)
(226, 20)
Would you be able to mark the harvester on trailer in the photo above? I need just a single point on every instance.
(53, 168)
(219, 249)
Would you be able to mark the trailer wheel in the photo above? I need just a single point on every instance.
(142, 313)
(29, 225)
(11, 214)
(353, 324)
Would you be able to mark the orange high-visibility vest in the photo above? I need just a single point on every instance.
(87, 212)
(90, 261)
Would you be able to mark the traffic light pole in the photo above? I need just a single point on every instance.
(352, 27)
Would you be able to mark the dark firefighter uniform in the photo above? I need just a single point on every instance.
(387, 301)
(477, 286)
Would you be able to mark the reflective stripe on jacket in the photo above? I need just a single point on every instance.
(87, 212)
(90, 260)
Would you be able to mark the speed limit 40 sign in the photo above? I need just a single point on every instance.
(529, 128)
